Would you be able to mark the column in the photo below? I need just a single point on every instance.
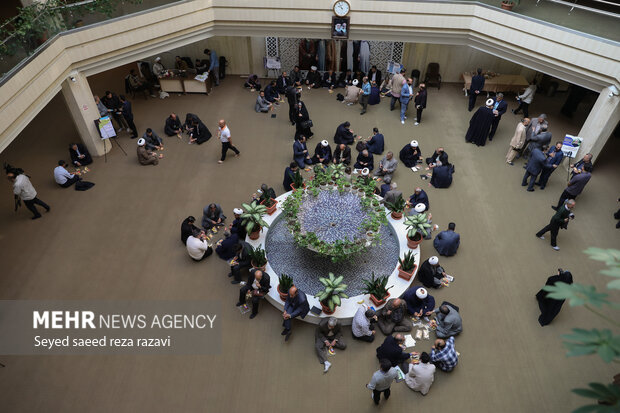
(84, 112)
(600, 123)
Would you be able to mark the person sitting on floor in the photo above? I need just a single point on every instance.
(313, 78)
(197, 246)
(153, 142)
(421, 376)
(447, 242)
(376, 142)
(385, 186)
(63, 177)
(364, 160)
(300, 152)
(188, 228)
(344, 134)
(212, 215)
(146, 157)
(328, 335)
(262, 104)
(289, 174)
(431, 273)
(226, 248)
(387, 166)
(342, 154)
(257, 287)
(443, 354)
(271, 93)
(173, 125)
(393, 317)
(419, 197)
(442, 173)
(392, 350)
(363, 327)
(419, 302)
(237, 227)
(322, 153)
(199, 133)
(252, 82)
(448, 321)
(437, 156)
(79, 155)
(410, 154)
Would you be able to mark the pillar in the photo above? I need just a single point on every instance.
(83, 109)
(600, 123)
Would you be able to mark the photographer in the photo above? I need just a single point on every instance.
(559, 220)
(549, 307)
(24, 191)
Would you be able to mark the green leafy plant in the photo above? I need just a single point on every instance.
(417, 223)
(252, 218)
(604, 342)
(407, 263)
(298, 180)
(398, 205)
(258, 256)
(377, 286)
(266, 200)
(334, 291)
(336, 171)
(285, 282)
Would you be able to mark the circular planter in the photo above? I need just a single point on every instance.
(262, 268)
(413, 243)
(326, 309)
(283, 296)
(378, 302)
(406, 275)
(255, 235)
(397, 215)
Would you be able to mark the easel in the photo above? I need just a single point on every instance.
(570, 150)
(106, 131)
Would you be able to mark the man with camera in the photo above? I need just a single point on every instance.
(559, 220)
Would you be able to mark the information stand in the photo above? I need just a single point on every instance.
(106, 131)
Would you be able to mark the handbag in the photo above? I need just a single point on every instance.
(306, 124)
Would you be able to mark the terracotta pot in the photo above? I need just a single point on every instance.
(413, 244)
(326, 309)
(507, 5)
(294, 189)
(397, 215)
(283, 296)
(378, 302)
(254, 235)
(258, 268)
(272, 208)
(406, 275)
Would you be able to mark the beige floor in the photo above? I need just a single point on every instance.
(120, 240)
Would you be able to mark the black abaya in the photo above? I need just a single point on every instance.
(549, 307)
(301, 115)
(480, 126)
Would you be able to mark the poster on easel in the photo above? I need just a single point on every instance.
(394, 68)
(571, 145)
(105, 127)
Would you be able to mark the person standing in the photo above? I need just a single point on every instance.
(128, 115)
(365, 94)
(550, 307)
(420, 103)
(24, 191)
(575, 186)
(214, 65)
(476, 87)
(63, 177)
(558, 220)
(480, 124)
(292, 95)
(111, 101)
(499, 108)
(303, 122)
(382, 379)
(517, 141)
(525, 99)
(396, 85)
(534, 167)
(554, 159)
(224, 134)
(405, 96)
(328, 335)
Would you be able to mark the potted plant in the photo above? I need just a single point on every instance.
(285, 283)
(269, 202)
(258, 259)
(252, 219)
(397, 207)
(509, 4)
(407, 266)
(331, 296)
(376, 287)
(417, 226)
(298, 181)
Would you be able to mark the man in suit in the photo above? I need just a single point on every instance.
(476, 87)
(392, 194)
(447, 242)
(534, 167)
(296, 305)
(257, 287)
(364, 160)
(271, 93)
(329, 80)
(374, 75)
(240, 261)
(342, 154)
(289, 173)
(376, 142)
(575, 186)
(554, 159)
(300, 152)
(282, 83)
(419, 197)
(540, 139)
(344, 134)
(405, 96)
(79, 155)
(328, 334)
(387, 166)
(393, 317)
(420, 103)
(558, 220)
(499, 108)
(173, 125)
(391, 350)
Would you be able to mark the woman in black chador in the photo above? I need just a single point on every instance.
(549, 307)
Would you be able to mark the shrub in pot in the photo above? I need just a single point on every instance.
(298, 181)
(252, 219)
(397, 207)
(258, 258)
(407, 266)
(376, 287)
(417, 226)
(285, 283)
(268, 202)
(331, 296)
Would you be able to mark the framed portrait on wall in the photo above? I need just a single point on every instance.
(340, 27)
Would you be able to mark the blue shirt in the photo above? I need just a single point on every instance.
(366, 88)
(214, 61)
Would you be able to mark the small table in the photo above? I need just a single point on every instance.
(182, 84)
(501, 83)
